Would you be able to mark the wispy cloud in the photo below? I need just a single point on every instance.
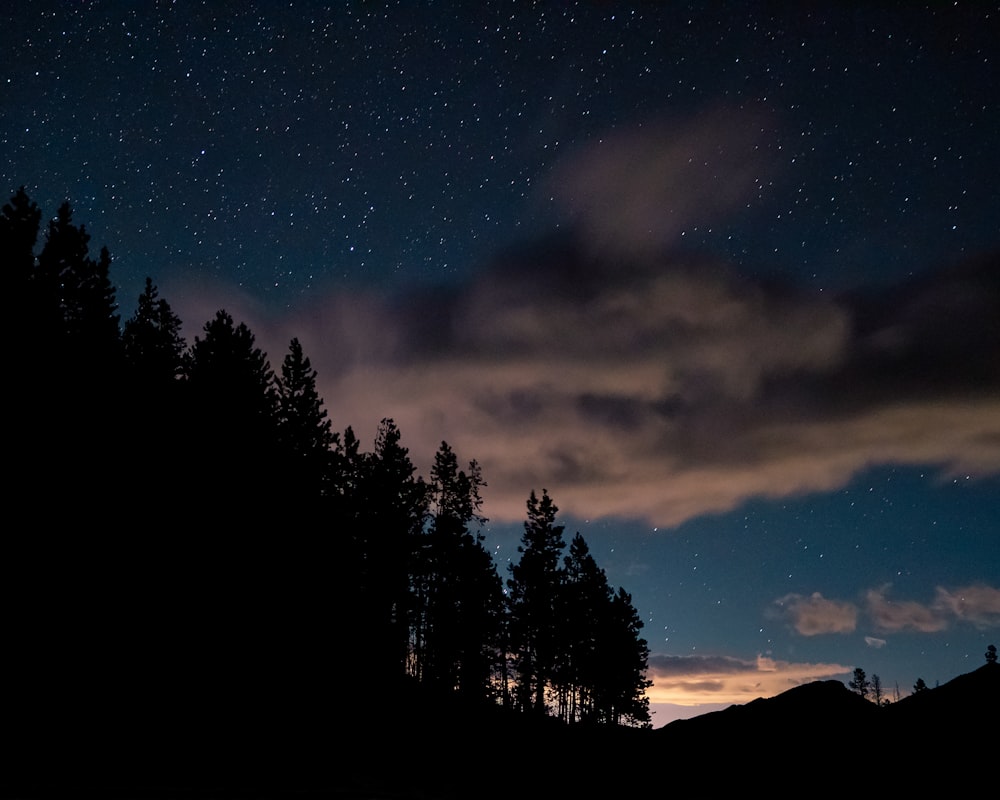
(637, 384)
(635, 191)
(977, 605)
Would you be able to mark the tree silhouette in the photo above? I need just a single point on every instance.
(257, 566)
(383, 508)
(458, 593)
(79, 294)
(622, 689)
(232, 433)
(878, 698)
(304, 432)
(584, 600)
(152, 343)
(919, 686)
(153, 408)
(859, 683)
(30, 359)
(20, 219)
(533, 602)
(991, 654)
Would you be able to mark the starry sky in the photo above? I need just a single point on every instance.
(723, 278)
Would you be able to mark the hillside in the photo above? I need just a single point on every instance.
(825, 731)
(816, 736)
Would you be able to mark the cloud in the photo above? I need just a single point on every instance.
(977, 605)
(635, 191)
(891, 616)
(699, 680)
(814, 615)
(633, 383)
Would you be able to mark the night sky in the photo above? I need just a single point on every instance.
(723, 278)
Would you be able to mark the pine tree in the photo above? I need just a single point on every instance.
(584, 600)
(75, 368)
(152, 342)
(455, 638)
(622, 687)
(20, 219)
(387, 507)
(231, 416)
(29, 358)
(78, 296)
(303, 429)
(860, 683)
(153, 357)
(533, 599)
(231, 376)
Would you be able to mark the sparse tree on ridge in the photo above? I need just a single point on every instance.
(878, 697)
(919, 686)
(991, 654)
(860, 683)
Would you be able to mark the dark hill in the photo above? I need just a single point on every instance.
(812, 739)
(839, 740)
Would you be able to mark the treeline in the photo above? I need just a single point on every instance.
(186, 529)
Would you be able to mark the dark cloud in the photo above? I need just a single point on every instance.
(634, 381)
(667, 390)
(665, 666)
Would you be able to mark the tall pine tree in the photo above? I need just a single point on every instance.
(456, 631)
(584, 601)
(620, 693)
(305, 437)
(386, 506)
(152, 342)
(79, 297)
(232, 427)
(533, 600)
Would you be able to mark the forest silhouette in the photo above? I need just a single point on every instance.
(195, 538)
(207, 586)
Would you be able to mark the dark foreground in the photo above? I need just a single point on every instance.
(815, 736)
